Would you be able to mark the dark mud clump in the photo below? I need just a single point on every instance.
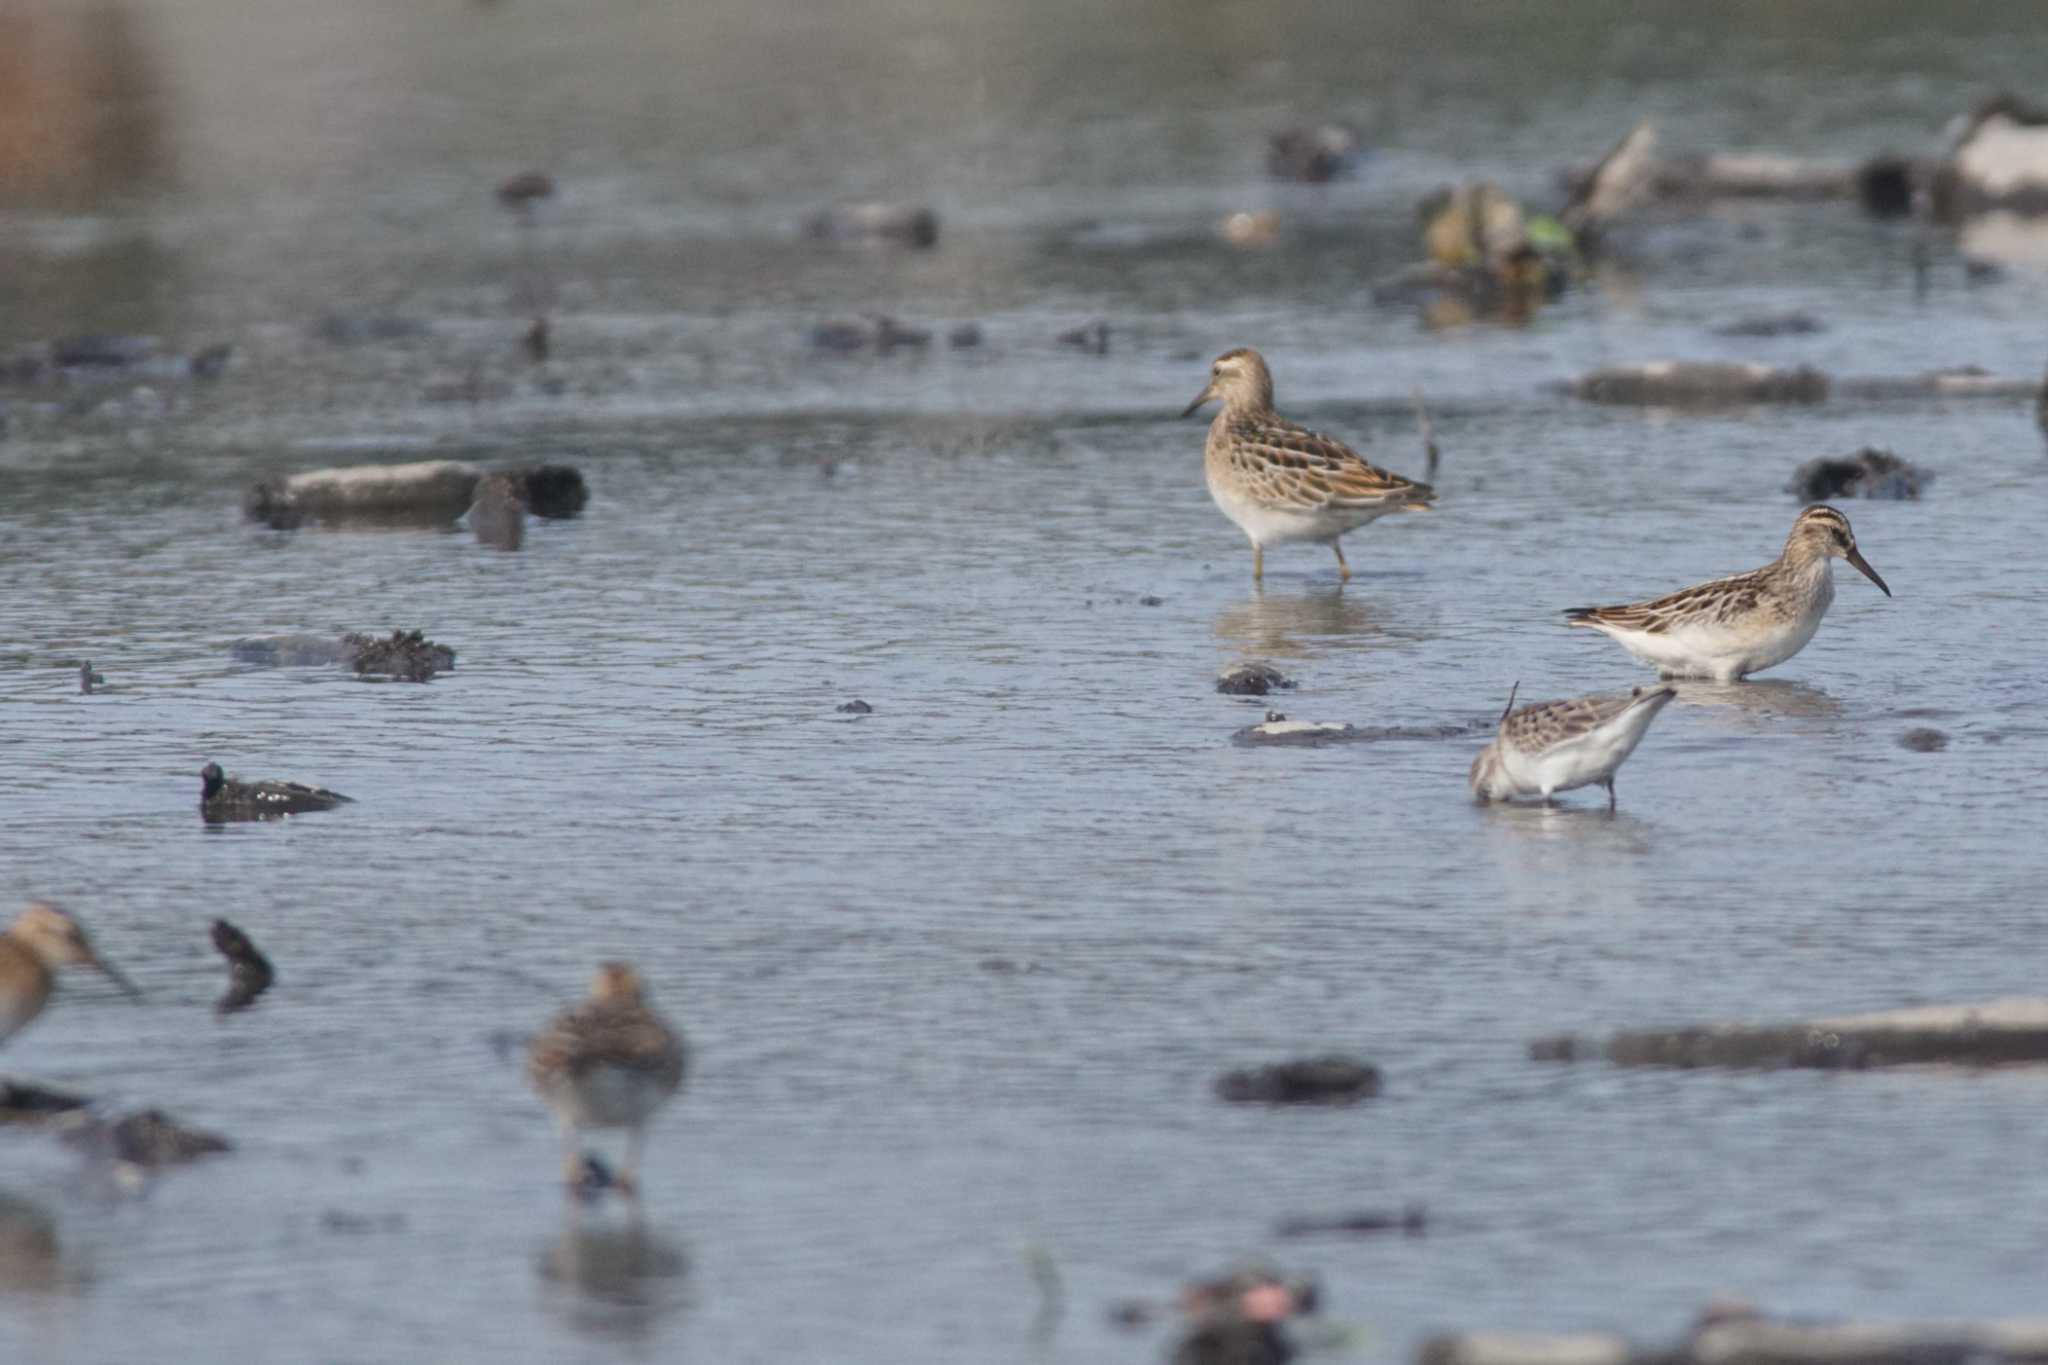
(249, 971)
(1252, 680)
(405, 654)
(1413, 1221)
(1869, 473)
(1334, 1079)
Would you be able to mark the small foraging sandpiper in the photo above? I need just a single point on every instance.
(609, 1062)
(1731, 627)
(230, 798)
(42, 939)
(1281, 482)
(1553, 746)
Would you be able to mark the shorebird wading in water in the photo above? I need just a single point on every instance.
(1281, 482)
(42, 939)
(1553, 746)
(1732, 627)
(609, 1062)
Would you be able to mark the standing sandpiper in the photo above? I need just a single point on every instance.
(1553, 746)
(1281, 482)
(1731, 627)
(41, 939)
(609, 1062)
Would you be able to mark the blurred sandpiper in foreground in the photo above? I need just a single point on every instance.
(1731, 627)
(1553, 746)
(1281, 482)
(610, 1062)
(42, 939)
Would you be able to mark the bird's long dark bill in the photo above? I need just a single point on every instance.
(1200, 398)
(1863, 566)
(119, 980)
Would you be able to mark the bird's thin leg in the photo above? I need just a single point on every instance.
(572, 1156)
(1258, 563)
(629, 1177)
(1609, 784)
(1343, 569)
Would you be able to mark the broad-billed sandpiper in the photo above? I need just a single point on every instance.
(42, 939)
(1281, 482)
(609, 1062)
(1553, 746)
(229, 798)
(1732, 627)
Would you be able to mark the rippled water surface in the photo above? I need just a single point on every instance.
(959, 973)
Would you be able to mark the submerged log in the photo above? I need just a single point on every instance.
(1682, 383)
(1997, 1032)
(1725, 1338)
(424, 493)
(1997, 158)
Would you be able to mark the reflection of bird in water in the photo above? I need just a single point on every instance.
(30, 1257)
(1763, 698)
(1289, 623)
(624, 1277)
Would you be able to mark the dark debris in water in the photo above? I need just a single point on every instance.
(146, 1138)
(1332, 1079)
(1413, 1221)
(1252, 680)
(1924, 741)
(1869, 473)
(249, 971)
(856, 707)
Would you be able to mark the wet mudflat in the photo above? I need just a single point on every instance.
(960, 973)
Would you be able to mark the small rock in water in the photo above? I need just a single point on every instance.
(1413, 1220)
(554, 491)
(911, 225)
(1772, 325)
(881, 332)
(522, 190)
(856, 707)
(1312, 155)
(249, 971)
(1252, 680)
(1234, 1341)
(1277, 730)
(87, 679)
(1869, 473)
(1148, 600)
(964, 336)
(1924, 741)
(1091, 337)
(1334, 1079)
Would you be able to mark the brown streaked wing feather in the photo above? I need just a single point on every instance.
(1292, 464)
(1544, 724)
(603, 1033)
(1721, 599)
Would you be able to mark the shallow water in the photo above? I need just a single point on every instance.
(959, 973)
